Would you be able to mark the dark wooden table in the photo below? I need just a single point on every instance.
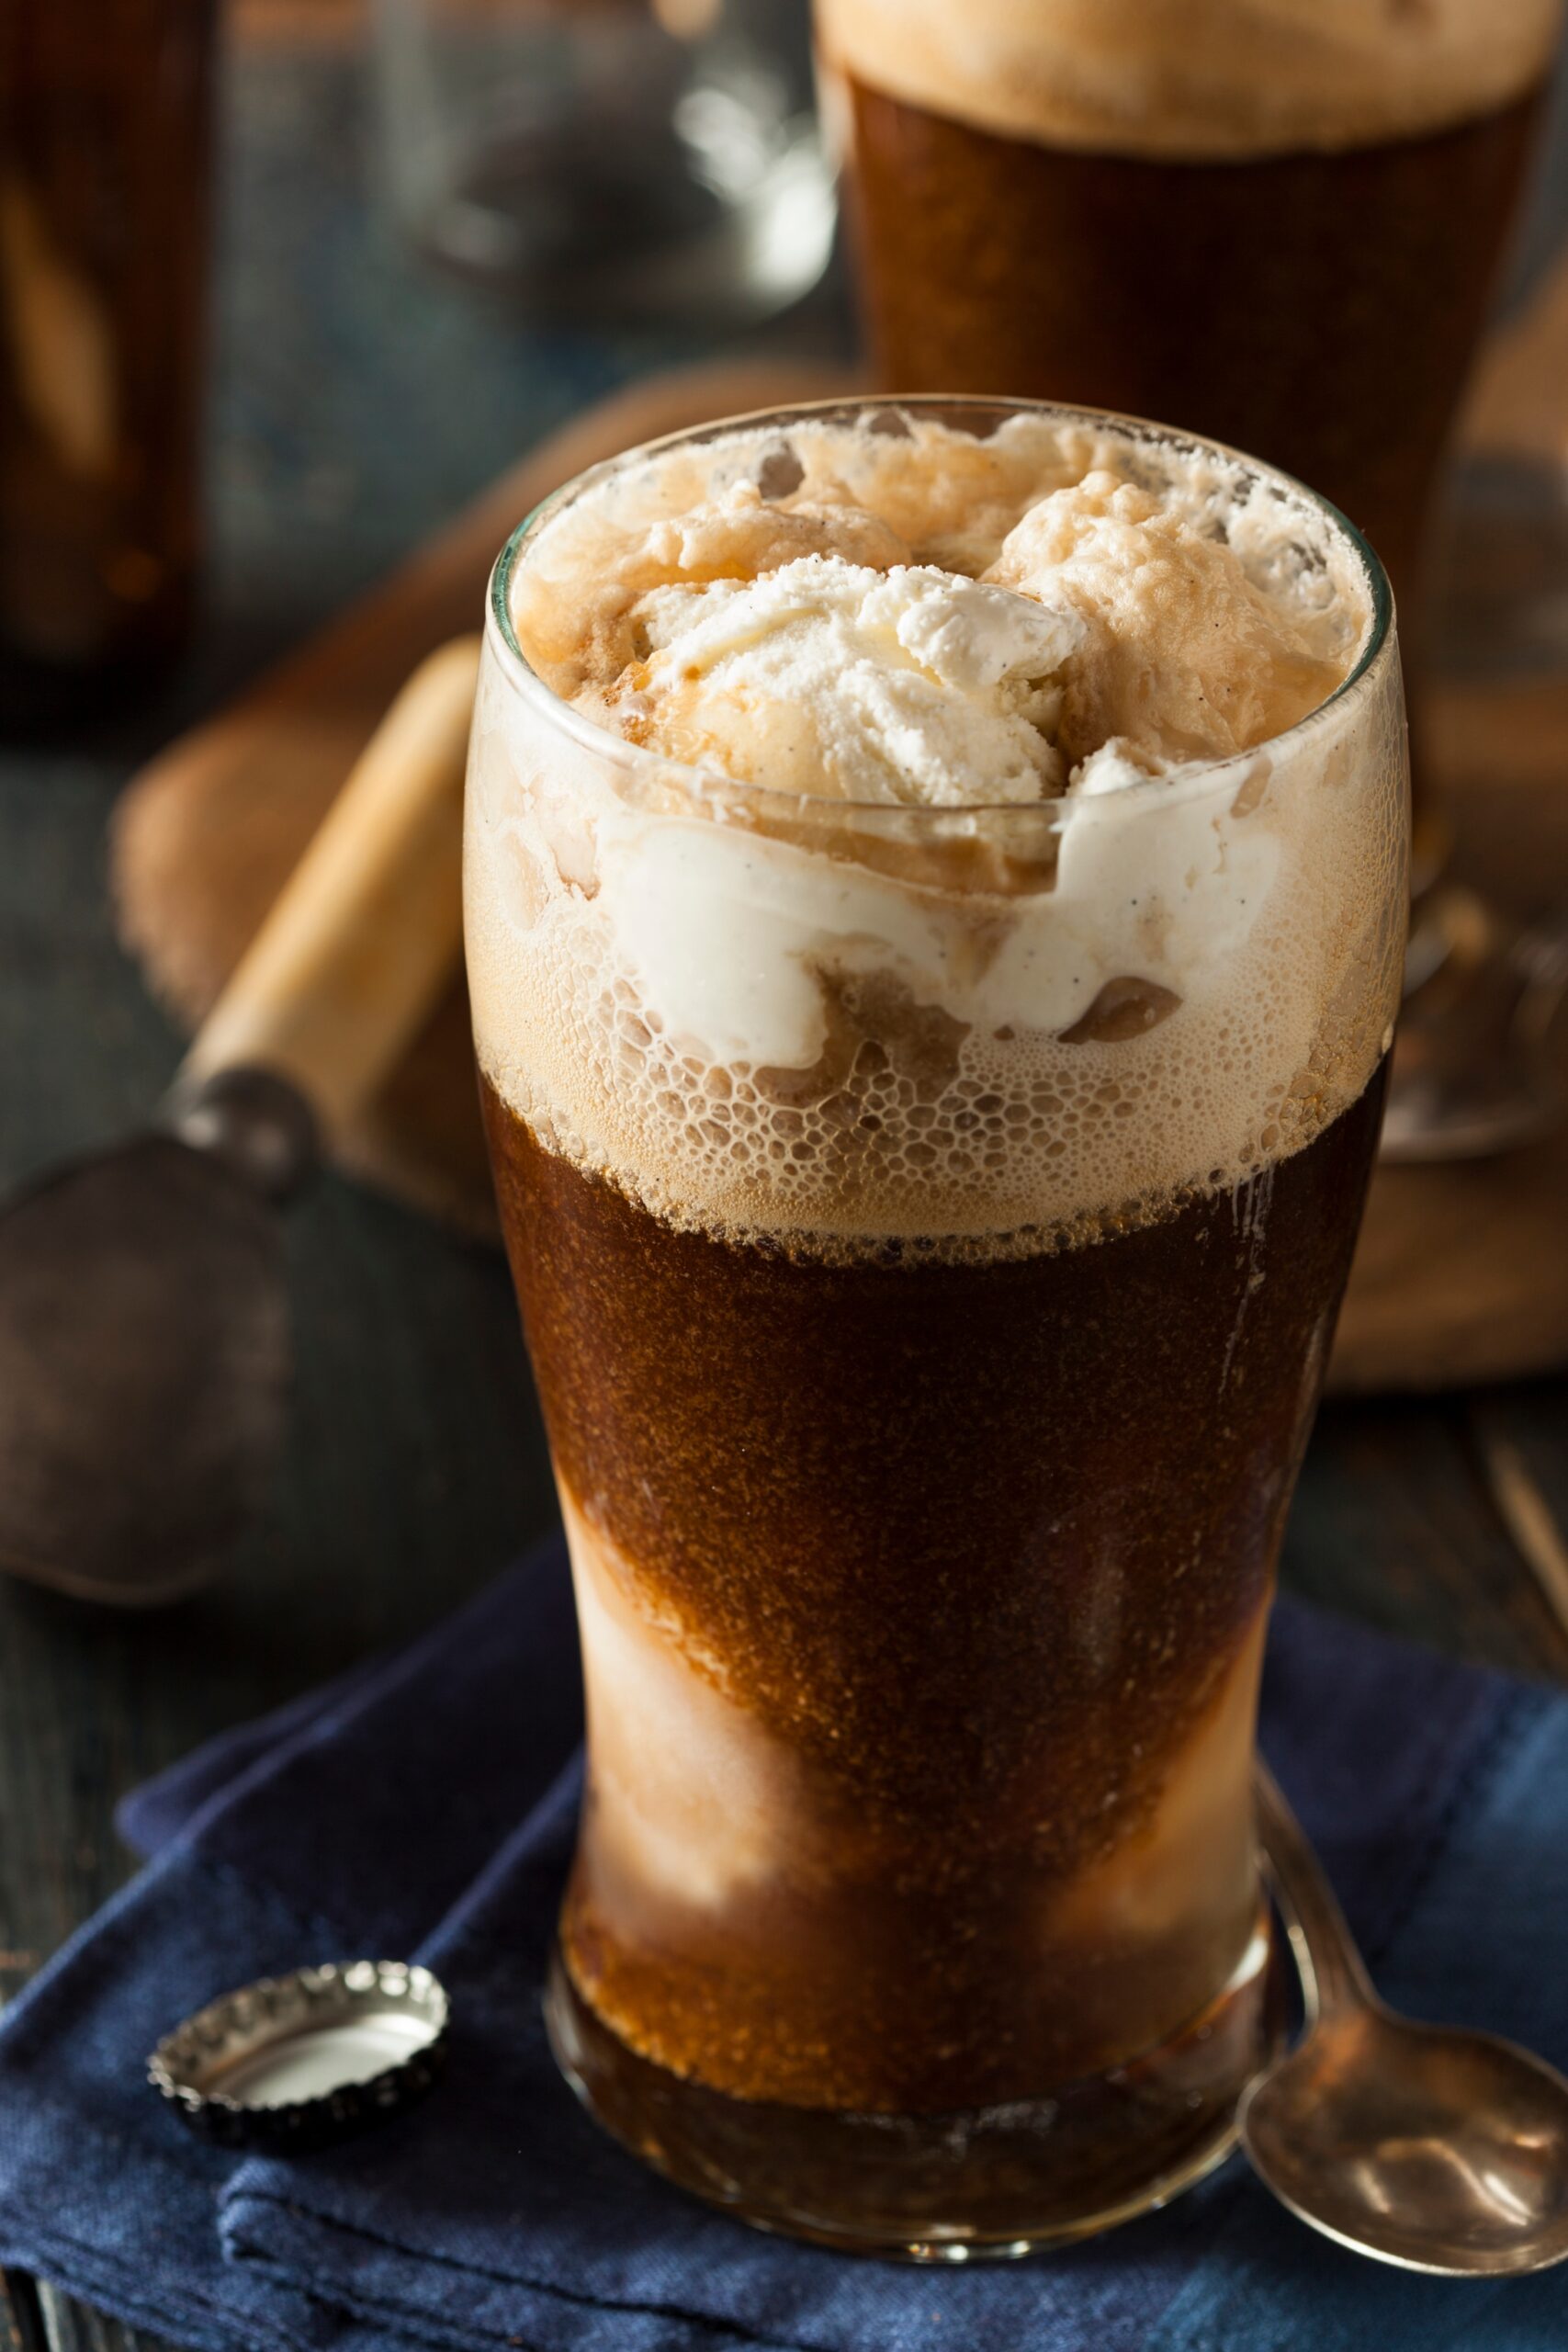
(357, 403)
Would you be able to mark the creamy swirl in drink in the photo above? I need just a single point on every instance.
(933, 929)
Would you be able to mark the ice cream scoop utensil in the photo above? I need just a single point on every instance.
(144, 1347)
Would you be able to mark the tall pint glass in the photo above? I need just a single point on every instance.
(929, 1225)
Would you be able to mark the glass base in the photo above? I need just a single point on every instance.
(986, 2184)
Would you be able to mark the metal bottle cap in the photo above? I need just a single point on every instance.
(295, 2063)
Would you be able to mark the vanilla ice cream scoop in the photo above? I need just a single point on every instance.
(802, 611)
(1112, 637)
(910, 685)
(1181, 654)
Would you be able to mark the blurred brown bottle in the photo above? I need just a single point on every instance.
(106, 115)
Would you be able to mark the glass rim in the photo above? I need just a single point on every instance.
(712, 785)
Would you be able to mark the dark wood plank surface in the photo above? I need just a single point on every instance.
(357, 403)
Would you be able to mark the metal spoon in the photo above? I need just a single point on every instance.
(1430, 2147)
(144, 1351)
(1479, 1063)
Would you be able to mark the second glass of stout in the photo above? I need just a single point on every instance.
(929, 1224)
(1279, 221)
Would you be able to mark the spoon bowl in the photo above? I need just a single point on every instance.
(1437, 2150)
(1428, 2146)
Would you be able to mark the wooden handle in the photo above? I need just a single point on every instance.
(369, 924)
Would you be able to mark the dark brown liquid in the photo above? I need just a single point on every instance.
(104, 122)
(984, 1551)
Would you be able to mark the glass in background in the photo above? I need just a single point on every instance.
(1216, 218)
(633, 162)
(105, 113)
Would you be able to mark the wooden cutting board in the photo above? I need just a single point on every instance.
(1462, 1273)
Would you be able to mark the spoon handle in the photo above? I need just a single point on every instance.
(1331, 1969)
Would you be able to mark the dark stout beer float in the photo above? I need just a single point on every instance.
(931, 1099)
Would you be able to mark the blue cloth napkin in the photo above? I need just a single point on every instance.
(425, 1807)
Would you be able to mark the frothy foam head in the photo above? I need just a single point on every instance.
(1004, 905)
(1195, 79)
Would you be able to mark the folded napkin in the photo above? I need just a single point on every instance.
(424, 1808)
